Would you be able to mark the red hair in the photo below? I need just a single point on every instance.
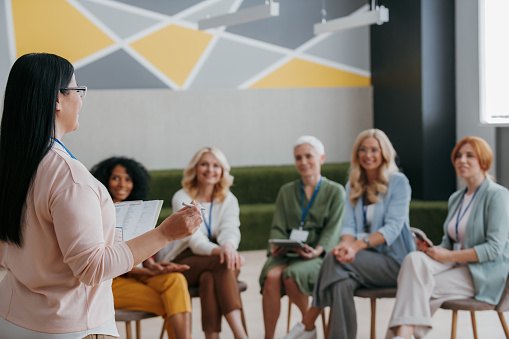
(482, 151)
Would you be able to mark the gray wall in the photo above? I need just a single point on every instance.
(164, 128)
(467, 90)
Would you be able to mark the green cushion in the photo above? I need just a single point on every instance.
(252, 185)
(429, 216)
(164, 184)
(260, 185)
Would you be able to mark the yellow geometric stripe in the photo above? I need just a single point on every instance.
(174, 50)
(301, 73)
(54, 26)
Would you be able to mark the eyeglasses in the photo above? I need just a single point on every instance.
(364, 150)
(82, 90)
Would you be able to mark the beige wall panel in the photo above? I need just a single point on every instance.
(163, 128)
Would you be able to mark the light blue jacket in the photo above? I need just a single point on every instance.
(390, 218)
(487, 232)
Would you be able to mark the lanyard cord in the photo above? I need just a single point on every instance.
(69, 152)
(460, 216)
(306, 210)
(364, 213)
(208, 224)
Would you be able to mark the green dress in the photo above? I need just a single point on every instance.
(323, 222)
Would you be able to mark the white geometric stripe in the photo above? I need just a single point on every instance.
(177, 19)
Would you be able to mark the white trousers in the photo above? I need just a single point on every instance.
(423, 285)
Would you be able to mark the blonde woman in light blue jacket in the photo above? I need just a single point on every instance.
(375, 237)
(473, 258)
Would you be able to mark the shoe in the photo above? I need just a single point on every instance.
(299, 332)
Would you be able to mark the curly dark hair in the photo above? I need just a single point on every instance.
(138, 173)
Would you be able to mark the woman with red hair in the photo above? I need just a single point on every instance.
(475, 246)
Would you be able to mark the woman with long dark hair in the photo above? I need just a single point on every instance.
(57, 222)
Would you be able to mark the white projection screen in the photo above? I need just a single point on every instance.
(493, 62)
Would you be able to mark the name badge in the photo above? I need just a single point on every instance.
(119, 235)
(456, 246)
(299, 235)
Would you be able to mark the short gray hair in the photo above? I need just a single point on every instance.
(313, 141)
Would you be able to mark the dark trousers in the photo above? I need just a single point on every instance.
(217, 287)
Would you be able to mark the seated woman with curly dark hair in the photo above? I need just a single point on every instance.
(157, 288)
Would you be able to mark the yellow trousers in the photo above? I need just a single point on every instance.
(164, 295)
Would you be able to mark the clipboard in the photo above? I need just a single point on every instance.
(134, 218)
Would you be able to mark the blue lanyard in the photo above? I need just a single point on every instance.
(460, 216)
(305, 211)
(364, 213)
(69, 152)
(208, 224)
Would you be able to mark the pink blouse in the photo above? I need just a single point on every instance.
(59, 281)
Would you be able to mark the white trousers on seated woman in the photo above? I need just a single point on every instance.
(423, 285)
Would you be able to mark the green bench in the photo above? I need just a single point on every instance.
(256, 189)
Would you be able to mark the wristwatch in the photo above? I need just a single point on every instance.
(366, 240)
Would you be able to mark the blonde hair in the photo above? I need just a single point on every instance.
(358, 177)
(190, 181)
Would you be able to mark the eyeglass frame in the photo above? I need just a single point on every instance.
(366, 150)
(79, 89)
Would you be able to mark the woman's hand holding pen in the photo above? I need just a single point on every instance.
(183, 223)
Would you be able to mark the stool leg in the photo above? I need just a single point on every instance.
(373, 318)
(327, 334)
(454, 323)
(324, 324)
(289, 315)
(128, 332)
(504, 324)
(161, 336)
(474, 323)
(138, 329)
(243, 316)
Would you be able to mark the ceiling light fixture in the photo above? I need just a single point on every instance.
(377, 15)
(269, 9)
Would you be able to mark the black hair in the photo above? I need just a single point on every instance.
(138, 173)
(28, 126)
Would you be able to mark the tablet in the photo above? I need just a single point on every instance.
(286, 243)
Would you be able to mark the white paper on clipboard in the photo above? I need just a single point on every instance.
(136, 217)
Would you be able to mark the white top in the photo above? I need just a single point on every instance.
(451, 227)
(224, 228)
(370, 210)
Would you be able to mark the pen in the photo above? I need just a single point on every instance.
(189, 205)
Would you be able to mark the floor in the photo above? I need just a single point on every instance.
(488, 323)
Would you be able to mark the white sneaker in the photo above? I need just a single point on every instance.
(299, 332)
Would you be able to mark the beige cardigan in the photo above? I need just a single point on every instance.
(59, 281)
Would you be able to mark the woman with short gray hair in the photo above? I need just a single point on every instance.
(309, 209)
